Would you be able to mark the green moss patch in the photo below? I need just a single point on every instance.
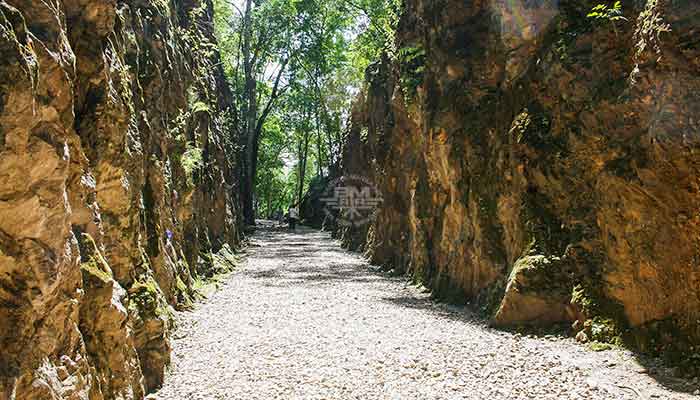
(146, 298)
(94, 272)
(212, 269)
(539, 274)
(598, 346)
(184, 298)
(603, 330)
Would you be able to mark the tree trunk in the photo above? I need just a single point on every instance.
(303, 157)
(254, 127)
(319, 141)
(249, 115)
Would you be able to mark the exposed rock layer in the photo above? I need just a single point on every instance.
(541, 163)
(109, 112)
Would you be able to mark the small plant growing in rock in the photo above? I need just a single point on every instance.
(412, 68)
(178, 127)
(606, 13)
(191, 161)
(364, 134)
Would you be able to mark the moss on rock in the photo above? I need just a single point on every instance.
(147, 299)
(536, 292)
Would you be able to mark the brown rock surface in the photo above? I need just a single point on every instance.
(506, 130)
(108, 110)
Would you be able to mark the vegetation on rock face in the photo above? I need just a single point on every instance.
(96, 266)
(412, 66)
(608, 13)
(526, 179)
(191, 161)
(538, 161)
(95, 269)
(125, 148)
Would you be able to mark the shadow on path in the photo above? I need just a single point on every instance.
(305, 319)
(311, 245)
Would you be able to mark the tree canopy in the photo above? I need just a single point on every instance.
(294, 67)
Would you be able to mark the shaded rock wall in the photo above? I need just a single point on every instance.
(541, 164)
(117, 187)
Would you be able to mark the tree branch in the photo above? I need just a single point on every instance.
(273, 96)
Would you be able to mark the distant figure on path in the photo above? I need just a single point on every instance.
(293, 216)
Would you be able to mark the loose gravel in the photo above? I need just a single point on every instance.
(304, 319)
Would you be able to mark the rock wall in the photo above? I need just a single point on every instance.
(542, 164)
(117, 189)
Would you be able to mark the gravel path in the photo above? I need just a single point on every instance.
(303, 319)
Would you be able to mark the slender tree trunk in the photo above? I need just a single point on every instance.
(251, 156)
(254, 129)
(319, 142)
(302, 168)
(303, 157)
(249, 116)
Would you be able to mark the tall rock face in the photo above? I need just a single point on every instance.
(117, 189)
(542, 163)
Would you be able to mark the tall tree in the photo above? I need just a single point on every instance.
(274, 33)
(295, 65)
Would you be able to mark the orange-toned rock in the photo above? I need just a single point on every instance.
(531, 130)
(95, 116)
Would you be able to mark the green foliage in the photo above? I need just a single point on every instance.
(412, 62)
(322, 48)
(378, 21)
(201, 107)
(178, 126)
(598, 346)
(191, 161)
(604, 12)
(95, 269)
(604, 330)
(97, 265)
(183, 293)
(273, 186)
(218, 266)
(195, 41)
(606, 323)
(364, 134)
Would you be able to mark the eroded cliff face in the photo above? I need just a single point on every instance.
(117, 189)
(542, 164)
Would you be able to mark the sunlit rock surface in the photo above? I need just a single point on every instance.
(108, 111)
(541, 164)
